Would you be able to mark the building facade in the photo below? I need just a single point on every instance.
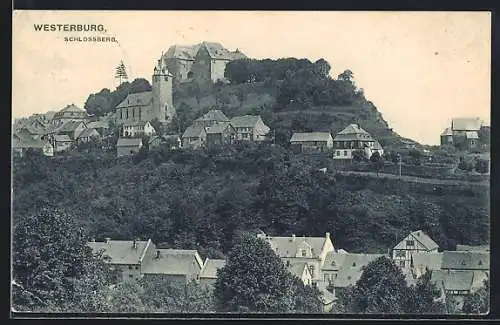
(354, 138)
(250, 128)
(312, 141)
(416, 241)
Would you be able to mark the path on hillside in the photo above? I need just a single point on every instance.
(413, 178)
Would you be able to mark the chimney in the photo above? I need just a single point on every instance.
(93, 240)
(157, 254)
(327, 235)
(134, 244)
(107, 240)
(293, 238)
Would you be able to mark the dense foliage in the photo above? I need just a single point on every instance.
(200, 200)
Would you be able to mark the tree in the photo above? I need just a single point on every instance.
(482, 166)
(254, 279)
(125, 297)
(121, 72)
(140, 85)
(381, 289)
(424, 298)
(359, 155)
(416, 156)
(307, 299)
(479, 301)
(465, 164)
(50, 259)
(377, 161)
(347, 75)
(323, 66)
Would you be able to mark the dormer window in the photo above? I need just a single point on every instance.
(463, 262)
(410, 243)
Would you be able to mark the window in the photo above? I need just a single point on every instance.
(327, 277)
(130, 267)
(130, 276)
(137, 267)
(337, 152)
(345, 152)
(402, 263)
(304, 253)
(410, 243)
(353, 264)
(400, 253)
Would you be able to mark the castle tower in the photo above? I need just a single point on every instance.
(163, 105)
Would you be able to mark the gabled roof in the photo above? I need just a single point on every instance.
(352, 268)
(70, 126)
(430, 260)
(209, 269)
(62, 138)
(245, 121)
(447, 132)
(193, 131)
(213, 115)
(129, 142)
(218, 128)
(466, 124)
(353, 132)
(333, 261)
(173, 262)
(463, 260)
(327, 297)
(98, 124)
(297, 268)
(288, 246)
(217, 51)
(310, 136)
(183, 52)
(470, 248)
(121, 251)
(137, 99)
(421, 237)
(88, 133)
(458, 280)
(72, 108)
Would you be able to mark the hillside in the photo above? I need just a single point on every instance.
(202, 199)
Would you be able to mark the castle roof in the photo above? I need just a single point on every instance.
(447, 132)
(466, 124)
(144, 98)
(218, 52)
(183, 52)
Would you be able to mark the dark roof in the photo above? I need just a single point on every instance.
(217, 51)
(69, 126)
(464, 260)
(137, 99)
(210, 268)
(128, 142)
(421, 237)
(245, 121)
(193, 131)
(121, 251)
(213, 115)
(184, 52)
(310, 136)
(288, 246)
(172, 262)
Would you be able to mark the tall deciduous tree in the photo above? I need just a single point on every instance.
(381, 289)
(254, 279)
(479, 301)
(425, 297)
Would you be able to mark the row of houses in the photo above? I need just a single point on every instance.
(315, 261)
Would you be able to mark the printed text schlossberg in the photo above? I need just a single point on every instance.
(69, 28)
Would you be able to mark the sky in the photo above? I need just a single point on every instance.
(419, 68)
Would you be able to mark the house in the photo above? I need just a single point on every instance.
(179, 265)
(294, 249)
(101, 126)
(470, 248)
(447, 137)
(213, 116)
(33, 126)
(127, 257)
(416, 241)
(211, 60)
(422, 262)
(354, 138)
(128, 146)
(195, 136)
(136, 129)
(173, 139)
(455, 285)
(69, 113)
(331, 266)
(61, 142)
(220, 134)
(87, 135)
(312, 141)
(351, 270)
(148, 105)
(208, 273)
(463, 133)
(250, 128)
(300, 270)
(179, 60)
(70, 128)
(21, 144)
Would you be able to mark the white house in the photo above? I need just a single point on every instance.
(354, 138)
(416, 241)
(137, 128)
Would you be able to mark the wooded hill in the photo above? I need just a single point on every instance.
(199, 199)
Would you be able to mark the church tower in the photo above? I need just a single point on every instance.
(163, 105)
